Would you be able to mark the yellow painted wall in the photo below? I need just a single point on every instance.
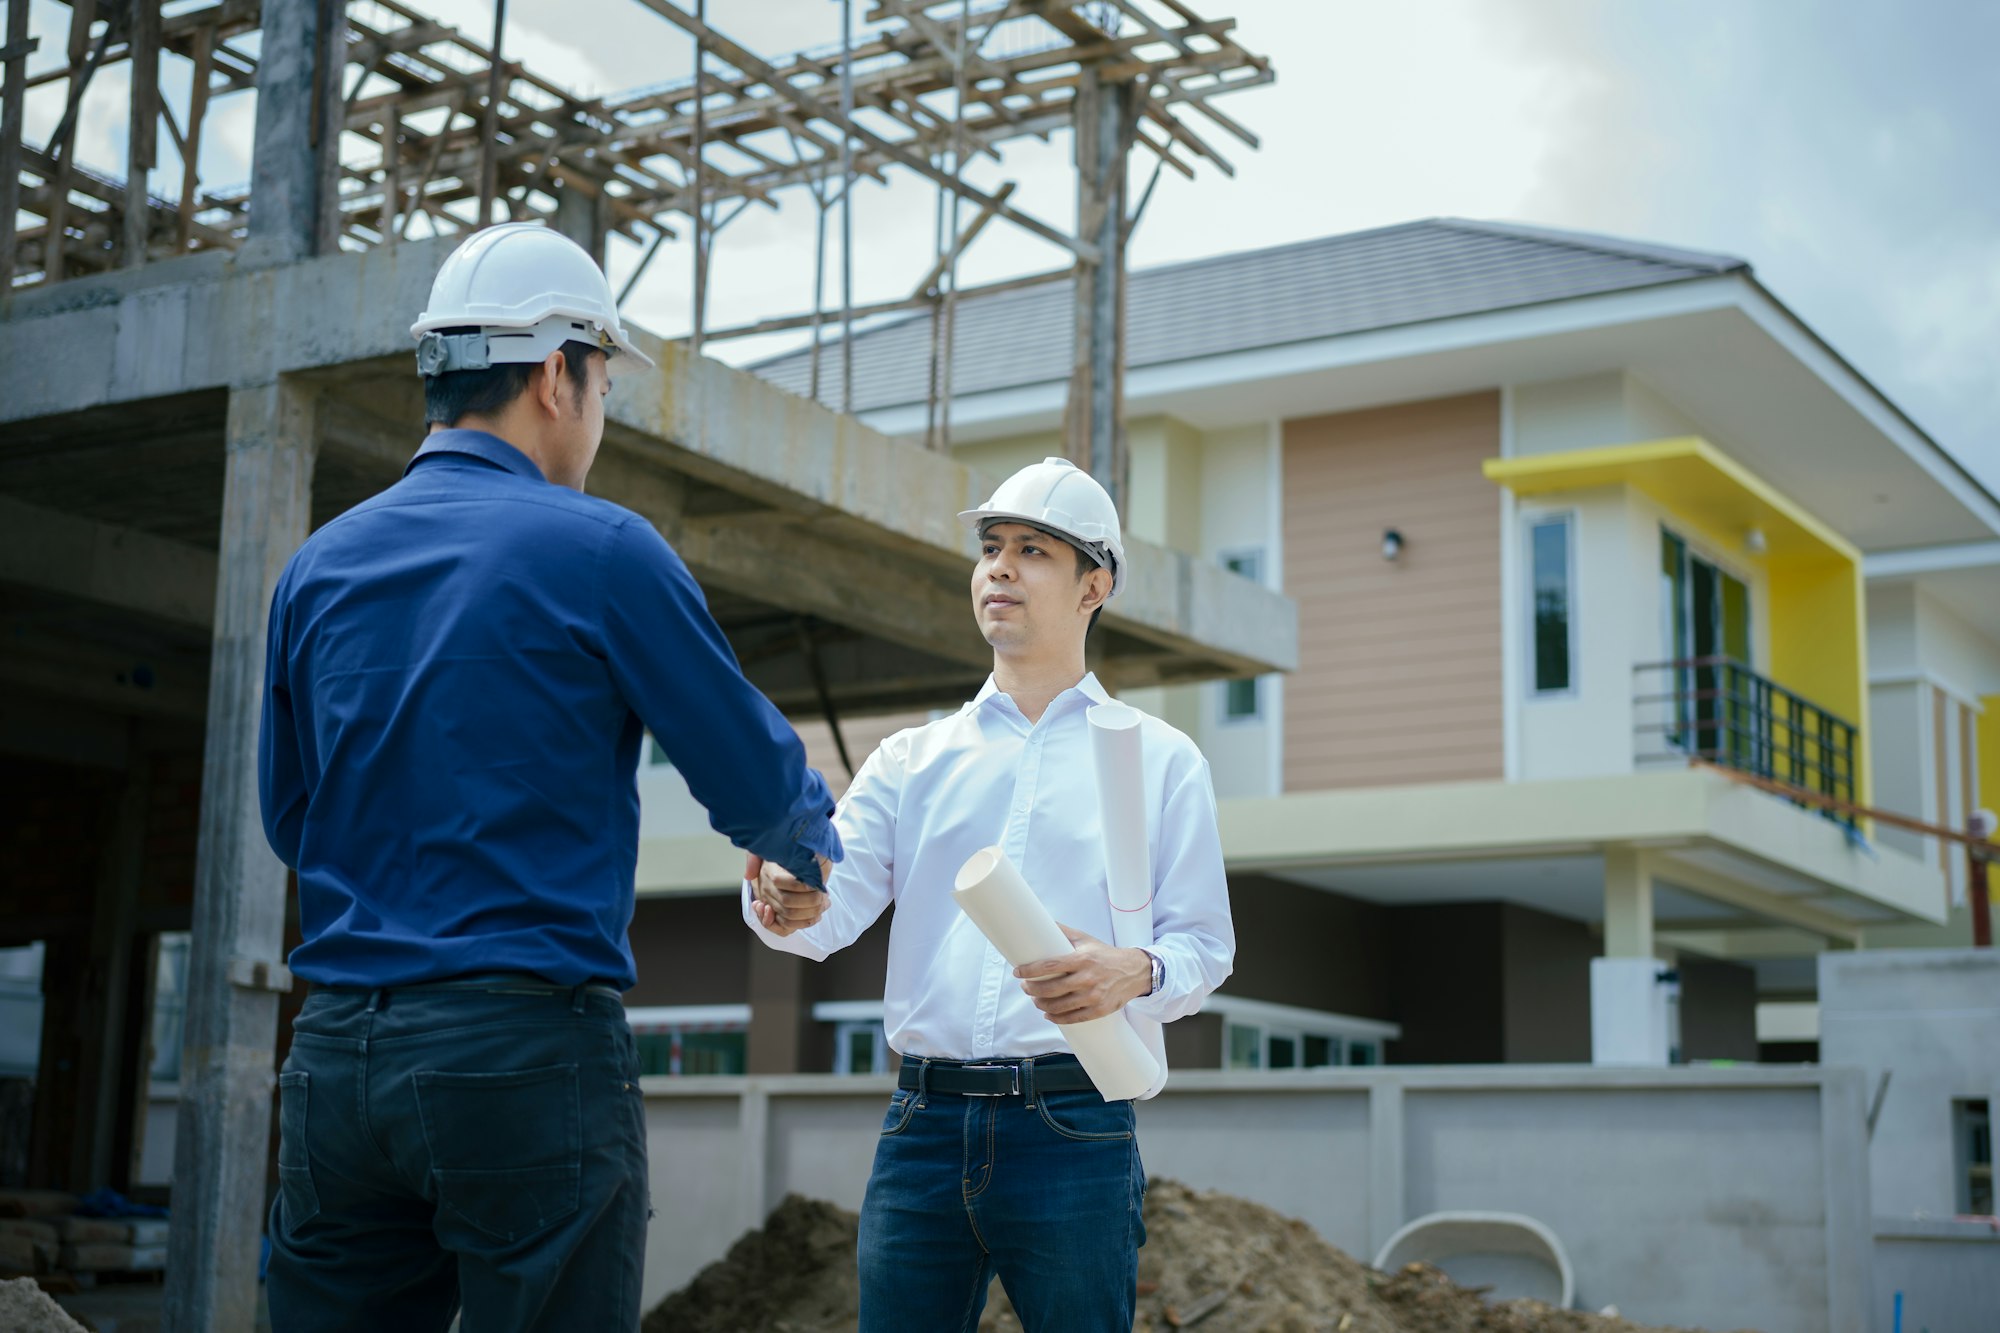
(1988, 725)
(1819, 642)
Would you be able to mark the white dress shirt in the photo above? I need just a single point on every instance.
(931, 796)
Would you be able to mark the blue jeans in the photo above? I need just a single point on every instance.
(482, 1147)
(1046, 1189)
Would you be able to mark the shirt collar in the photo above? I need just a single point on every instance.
(1088, 687)
(479, 444)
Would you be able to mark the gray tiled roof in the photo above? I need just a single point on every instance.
(1439, 268)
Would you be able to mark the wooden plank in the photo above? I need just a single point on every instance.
(142, 148)
(751, 63)
(12, 107)
(204, 62)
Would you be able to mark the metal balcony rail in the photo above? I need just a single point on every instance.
(1718, 709)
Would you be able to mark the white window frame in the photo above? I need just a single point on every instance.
(1259, 714)
(847, 1016)
(1344, 1032)
(675, 1021)
(1529, 523)
(878, 1049)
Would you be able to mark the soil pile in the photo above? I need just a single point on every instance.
(794, 1276)
(24, 1306)
(1211, 1262)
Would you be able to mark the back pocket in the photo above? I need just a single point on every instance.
(506, 1149)
(298, 1198)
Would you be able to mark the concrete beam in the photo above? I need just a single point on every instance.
(1775, 908)
(207, 321)
(103, 563)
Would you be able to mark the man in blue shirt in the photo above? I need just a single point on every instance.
(460, 672)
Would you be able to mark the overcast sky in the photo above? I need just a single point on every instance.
(1846, 148)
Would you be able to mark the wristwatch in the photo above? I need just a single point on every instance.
(1159, 971)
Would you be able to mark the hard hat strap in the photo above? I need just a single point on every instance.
(442, 353)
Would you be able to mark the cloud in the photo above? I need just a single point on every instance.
(1846, 151)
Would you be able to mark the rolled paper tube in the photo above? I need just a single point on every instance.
(1117, 745)
(991, 892)
(1121, 805)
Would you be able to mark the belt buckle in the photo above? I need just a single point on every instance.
(1014, 1091)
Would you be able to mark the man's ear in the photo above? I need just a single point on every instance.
(1096, 589)
(548, 390)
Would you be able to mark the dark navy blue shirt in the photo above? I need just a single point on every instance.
(460, 672)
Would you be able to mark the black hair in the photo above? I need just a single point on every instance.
(463, 393)
(1085, 562)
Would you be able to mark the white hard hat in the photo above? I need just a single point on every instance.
(1060, 498)
(526, 290)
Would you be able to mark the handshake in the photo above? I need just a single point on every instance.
(782, 902)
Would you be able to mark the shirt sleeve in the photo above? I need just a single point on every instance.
(864, 883)
(1192, 930)
(741, 759)
(281, 784)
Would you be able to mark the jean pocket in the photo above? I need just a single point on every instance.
(299, 1200)
(1085, 1116)
(902, 1105)
(506, 1148)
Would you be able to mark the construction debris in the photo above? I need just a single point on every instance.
(1211, 1261)
(26, 1308)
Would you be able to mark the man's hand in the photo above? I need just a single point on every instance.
(782, 903)
(1096, 980)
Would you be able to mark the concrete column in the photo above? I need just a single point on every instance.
(107, 993)
(1633, 997)
(234, 968)
(295, 165)
(1094, 417)
(1628, 904)
(580, 216)
(779, 1011)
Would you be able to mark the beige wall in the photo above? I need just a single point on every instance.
(1399, 664)
(862, 735)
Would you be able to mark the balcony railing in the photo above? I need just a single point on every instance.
(1718, 709)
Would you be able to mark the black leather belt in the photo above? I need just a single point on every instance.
(994, 1078)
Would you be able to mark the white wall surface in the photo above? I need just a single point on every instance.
(1241, 473)
(1586, 731)
(1713, 1198)
(1592, 412)
(1926, 1018)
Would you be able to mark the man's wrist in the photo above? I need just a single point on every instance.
(1156, 972)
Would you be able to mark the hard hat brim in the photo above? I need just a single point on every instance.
(977, 519)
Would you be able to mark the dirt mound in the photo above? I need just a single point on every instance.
(26, 1308)
(794, 1276)
(1211, 1261)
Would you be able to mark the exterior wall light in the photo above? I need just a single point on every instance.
(1754, 541)
(1392, 544)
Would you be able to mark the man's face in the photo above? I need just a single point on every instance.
(1025, 589)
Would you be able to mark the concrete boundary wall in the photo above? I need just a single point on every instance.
(1732, 1198)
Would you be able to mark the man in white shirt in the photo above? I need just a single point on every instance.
(996, 1153)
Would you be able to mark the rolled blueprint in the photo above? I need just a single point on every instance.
(1121, 806)
(1115, 740)
(992, 893)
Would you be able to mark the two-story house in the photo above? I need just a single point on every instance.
(1594, 543)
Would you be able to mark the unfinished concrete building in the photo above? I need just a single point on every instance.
(188, 385)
